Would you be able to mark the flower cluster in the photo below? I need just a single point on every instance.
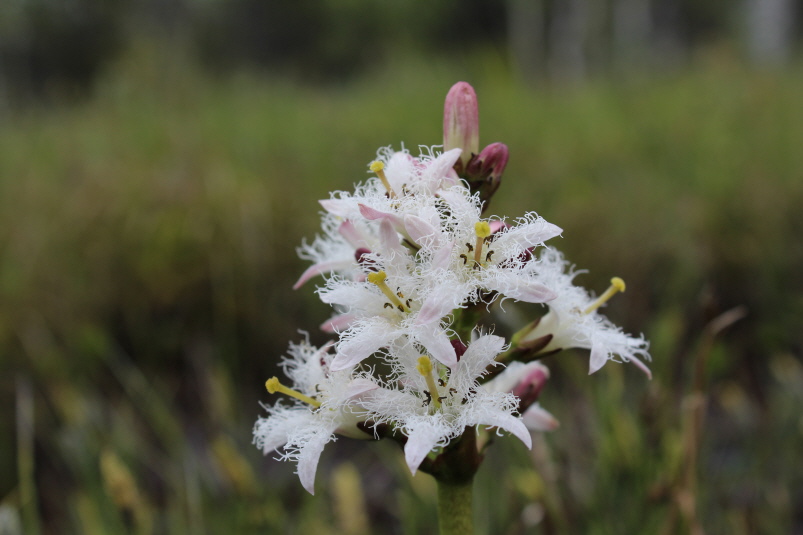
(410, 263)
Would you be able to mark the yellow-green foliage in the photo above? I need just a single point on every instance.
(147, 242)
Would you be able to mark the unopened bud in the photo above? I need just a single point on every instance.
(530, 385)
(484, 171)
(461, 122)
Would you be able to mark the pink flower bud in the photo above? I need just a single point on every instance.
(484, 171)
(530, 385)
(461, 121)
(489, 164)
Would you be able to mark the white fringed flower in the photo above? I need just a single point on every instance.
(476, 261)
(325, 404)
(437, 403)
(574, 320)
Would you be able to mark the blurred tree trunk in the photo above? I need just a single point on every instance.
(769, 28)
(567, 37)
(526, 37)
(631, 22)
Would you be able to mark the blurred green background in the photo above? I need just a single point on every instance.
(160, 162)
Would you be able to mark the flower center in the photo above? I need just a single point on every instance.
(379, 278)
(617, 285)
(273, 385)
(482, 231)
(424, 367)
(379, 168)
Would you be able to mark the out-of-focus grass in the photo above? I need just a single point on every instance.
(147, 252)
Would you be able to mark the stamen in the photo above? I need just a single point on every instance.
(617, 285)
(482, 229)
(379, 168)
(424, 367)
(273, 385)
(378, 278)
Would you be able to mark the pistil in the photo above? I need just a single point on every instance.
(379, 278)
(378, 167)
(273, 385)
(482, 229)
(424, 367)
(617, 285)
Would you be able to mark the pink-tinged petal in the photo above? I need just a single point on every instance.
(538, 419)
(389, 238)
(599, 356)
(338, 323)
(352, 234)
(516, 287)
(423, 437)
(497, 225)
(438, 345)
(338, 207)
(442, 256)
(461, 122)
(436, 306)
(420, 230)
(320, 269)
(641, 366)
(372, 214)
(360, 386)
(366, 338)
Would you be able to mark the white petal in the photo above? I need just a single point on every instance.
(599, 356)
(509, 423)
(338, 207)
(442, 256)
(520, 287)
(480, 353)
(366, 338)
(529, 234)
(538, 419)
(424, 436)
(309, 455)
(437, 343)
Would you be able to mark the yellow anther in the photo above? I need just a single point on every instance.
(482, 229)
(273, 385)
(378, 167)
(424, 367)
(378, 278)
(617, 285)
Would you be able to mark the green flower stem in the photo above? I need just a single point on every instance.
(454, 508)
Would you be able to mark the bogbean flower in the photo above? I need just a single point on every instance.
(436, 403)
(402, 257)
(574, 321)
(471, 263)
(325, 403)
